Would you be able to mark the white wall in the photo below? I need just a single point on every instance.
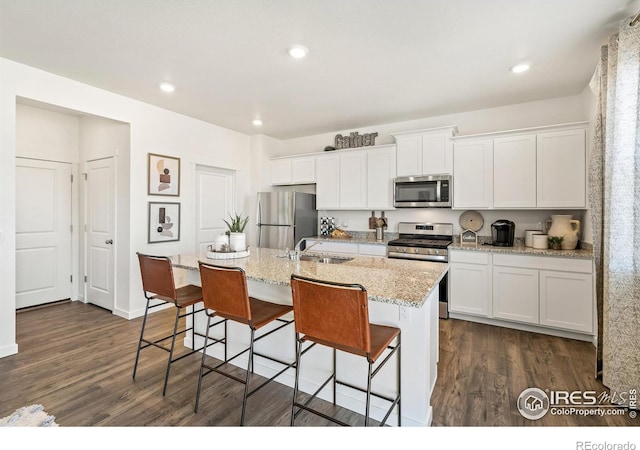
(524, 115)
(45, 134)
(152, 130)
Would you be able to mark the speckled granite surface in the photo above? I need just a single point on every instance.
(396, 281)
(519, 248)
(360, 237)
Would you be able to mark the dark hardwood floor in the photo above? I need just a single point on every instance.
(77, 361)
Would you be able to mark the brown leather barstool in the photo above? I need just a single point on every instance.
(225, 294)
(336, 315)
(159, 288)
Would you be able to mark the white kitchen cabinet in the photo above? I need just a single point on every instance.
(534, 168)
(356, 179)
(328, 182)
(295, 170)
(566, 300)
(473, 174)
(563, 286)
(347, 248)
(381, 171)
(515, 294)
(514, 171)
(561, 169)
(280, 170)
(469, 283)
(353, 180)
(424, 152)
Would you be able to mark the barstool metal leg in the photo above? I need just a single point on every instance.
(246, 383)
(366, 414)
(144, 322)
(334, 376)
(204, 353)
(399, 362)
(173, 344)
(295, 384)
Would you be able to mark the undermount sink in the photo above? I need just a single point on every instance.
(325, 259)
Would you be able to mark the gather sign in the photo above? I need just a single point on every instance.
(355, 140)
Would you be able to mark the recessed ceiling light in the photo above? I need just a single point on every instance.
(167, 87)
(519, 68)
(298, 51)
(257, 122)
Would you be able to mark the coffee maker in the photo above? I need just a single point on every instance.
(502, 232)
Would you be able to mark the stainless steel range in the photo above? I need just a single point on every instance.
(425, 242)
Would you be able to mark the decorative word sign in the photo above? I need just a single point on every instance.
(355, 140)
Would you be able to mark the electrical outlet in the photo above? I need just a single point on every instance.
(405, 314)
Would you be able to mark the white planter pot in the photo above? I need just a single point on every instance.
(238, 242)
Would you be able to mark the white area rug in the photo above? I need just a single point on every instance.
(29, 416)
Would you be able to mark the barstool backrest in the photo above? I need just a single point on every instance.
(157, 275)
(332, 312)
(224, 290)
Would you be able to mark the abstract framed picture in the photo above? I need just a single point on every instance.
(164, 175)
(164, 222)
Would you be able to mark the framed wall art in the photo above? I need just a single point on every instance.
(164, 222)
(163, 175)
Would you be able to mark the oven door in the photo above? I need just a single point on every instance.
(420, 192)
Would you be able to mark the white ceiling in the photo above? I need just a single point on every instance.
(370, 61)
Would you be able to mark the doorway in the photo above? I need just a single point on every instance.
(100, 232)
(43, 232)
(214, 202)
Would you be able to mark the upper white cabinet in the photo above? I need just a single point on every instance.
(293, 170)
(561, 173)
(424, 152)
(352, 187)
(356, 179)
(534, 168)
(473, 174)
(328, 181)
(381, 170)
(514, 175)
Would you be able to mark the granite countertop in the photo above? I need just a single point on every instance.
(359, 237)
(395, 281)
(519, 248)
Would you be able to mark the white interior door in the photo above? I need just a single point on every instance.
(214, 200)
(43, 232)
(100, 216)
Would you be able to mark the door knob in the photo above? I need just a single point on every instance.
(109, 241)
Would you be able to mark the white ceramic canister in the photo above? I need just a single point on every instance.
(540, 241)
(528, 237)
(219, 241)
(238, 242)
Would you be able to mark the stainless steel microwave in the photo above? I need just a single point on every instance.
(431, 191)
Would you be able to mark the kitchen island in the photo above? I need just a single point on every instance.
(401, 293)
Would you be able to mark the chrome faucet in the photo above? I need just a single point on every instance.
(297, 252)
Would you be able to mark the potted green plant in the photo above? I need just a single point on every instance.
(237, 237)
(555, 242)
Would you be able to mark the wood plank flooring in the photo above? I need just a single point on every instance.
(77, 361)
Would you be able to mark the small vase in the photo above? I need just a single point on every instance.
(563, 226)
(237, 242)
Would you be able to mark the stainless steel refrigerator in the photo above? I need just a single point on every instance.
(285, 217)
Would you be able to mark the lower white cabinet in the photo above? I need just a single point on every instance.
(469, 283)
(347, 248)
(515, 294)
(566, 300)
(543, 291)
